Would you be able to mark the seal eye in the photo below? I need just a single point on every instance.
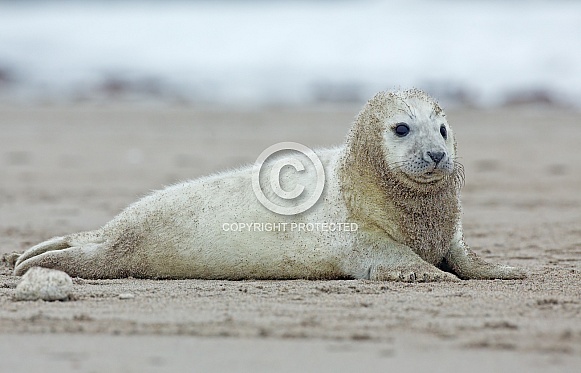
(401, 129)
(444, 132)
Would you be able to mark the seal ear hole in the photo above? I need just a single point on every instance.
(401, 129)
(444, 132)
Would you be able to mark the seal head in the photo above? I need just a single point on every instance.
(399, 172)
(418, 143)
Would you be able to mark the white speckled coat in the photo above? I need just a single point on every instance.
(393, 188)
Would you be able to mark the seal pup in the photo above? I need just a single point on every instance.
(394, 187)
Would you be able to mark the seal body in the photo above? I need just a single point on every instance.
(390, 210)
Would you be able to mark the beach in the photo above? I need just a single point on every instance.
(67, 168)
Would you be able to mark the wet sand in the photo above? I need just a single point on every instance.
(72, 168)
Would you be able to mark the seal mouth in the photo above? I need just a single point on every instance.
(429, 177)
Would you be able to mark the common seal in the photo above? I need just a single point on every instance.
(394, 188)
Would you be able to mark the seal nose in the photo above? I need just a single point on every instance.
(437, 156)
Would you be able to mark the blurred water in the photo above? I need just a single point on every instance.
(290, 52)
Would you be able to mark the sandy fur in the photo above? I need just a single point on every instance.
(407, 230)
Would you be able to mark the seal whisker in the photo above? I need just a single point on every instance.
(397, 164)
(459, 173)
(410, 111)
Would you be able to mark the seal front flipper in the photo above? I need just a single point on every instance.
(417, 271)
(391, 261)
(467, 265)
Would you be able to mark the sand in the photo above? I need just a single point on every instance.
(71, 168)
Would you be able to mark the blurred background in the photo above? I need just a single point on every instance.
(258, 53)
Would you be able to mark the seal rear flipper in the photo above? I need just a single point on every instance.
(59, 243)
(87, 261)
(55, 243)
